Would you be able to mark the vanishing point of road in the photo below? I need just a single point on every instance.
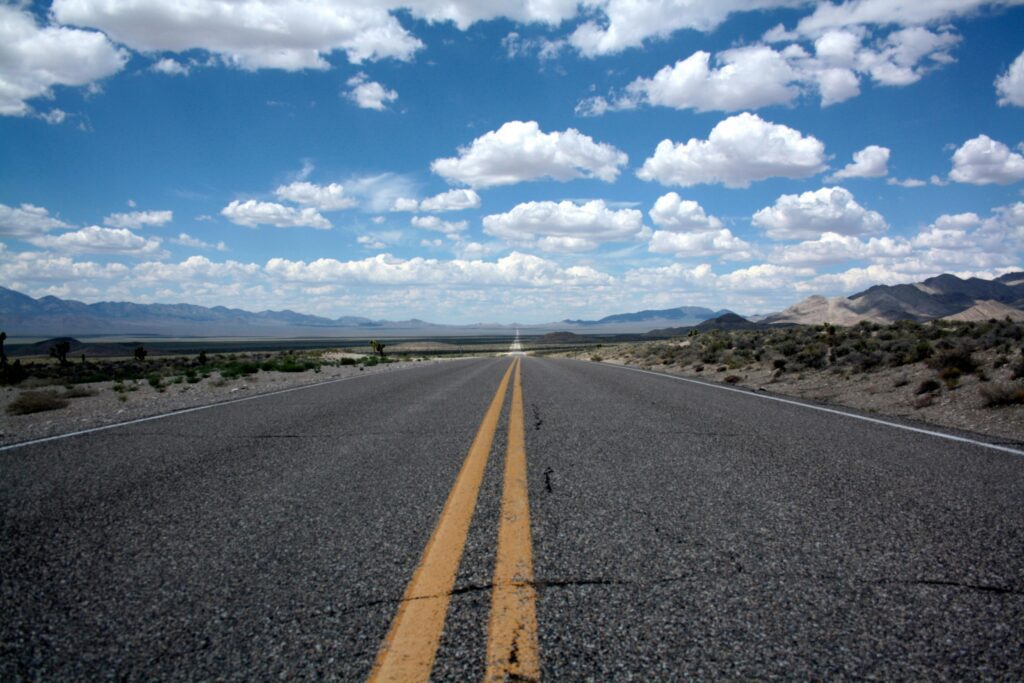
(512, 518)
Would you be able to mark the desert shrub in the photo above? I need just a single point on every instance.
(927, 386)
(78, 392)
(779, 364)
(901, 381)
(1017, 372)
(596, 358)
(958, 357)
(155, 381)
(813, 355)
(698, 368)
(347, 361)
(999, 394)
(36, 402)
(731, 379)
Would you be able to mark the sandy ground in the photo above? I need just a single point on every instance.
(887, 392)
(139, 399)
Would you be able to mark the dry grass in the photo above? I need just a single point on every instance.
(36, 402)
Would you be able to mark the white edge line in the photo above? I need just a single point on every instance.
(183, 411)
(746, 392)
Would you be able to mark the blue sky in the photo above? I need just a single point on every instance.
(460, 162)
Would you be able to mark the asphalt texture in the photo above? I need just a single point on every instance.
(679, 531)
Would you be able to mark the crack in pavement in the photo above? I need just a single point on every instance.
(542, 584)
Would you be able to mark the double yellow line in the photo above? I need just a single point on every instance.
(408, 651)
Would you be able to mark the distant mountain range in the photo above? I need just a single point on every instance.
(944, 296)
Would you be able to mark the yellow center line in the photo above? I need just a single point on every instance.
(512, 650)
(407, 653)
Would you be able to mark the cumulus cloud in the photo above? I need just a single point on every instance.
(1010, 85)
(811, 214)
(369, 94)
(251, 34)
(252, 213)
(758, 75)
(170, 67)
(95, 239)
(672, 212)
(745, 78)
(984, 161)
(34, 59)
(832, 247)
(629, 23)
(565, 226)
(27, 220)
(452, 200)
(739, 150)
(870, 162)
(687, 231)
(519, 151)
(515, 270)
(882, 12)
(435, 223)
(137, 219)
(186, 240)
(699, 244)
(906, 182)
(54, 117)
(764, 276)
(323, 197)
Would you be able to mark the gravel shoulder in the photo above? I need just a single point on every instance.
(138, 399)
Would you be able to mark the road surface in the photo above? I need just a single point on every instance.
(511, 516)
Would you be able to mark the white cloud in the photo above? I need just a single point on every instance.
(832, 247)
(379, 193)
(1010, 85)
(514, 270)
(882, 12)
(906, 182)
(672, 212)
(809, 215)
(520, 151)
(54, 117)
(764, 276)
(629, 23)
(170, 67)
(34, 59)
(138, 219)
(984, 161)
(739, 150)
(323, 197)
(452, 200)
(698, 244)
(870, 162)
(252, 213)
(42, 267)
(746, 78)
(371, 242)
(186, 240)
(669, 277)
(95, 239)
(756, 76)
(27, 220)
(435, 223)
(251, 34)
(565, 226)
(369, 94)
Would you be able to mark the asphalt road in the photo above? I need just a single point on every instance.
(678, 531)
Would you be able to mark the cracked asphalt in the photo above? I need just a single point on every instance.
(679, 531)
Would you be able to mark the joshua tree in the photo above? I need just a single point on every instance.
(377, 347)
(140, 353)
(60, 351)
(3, 356)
